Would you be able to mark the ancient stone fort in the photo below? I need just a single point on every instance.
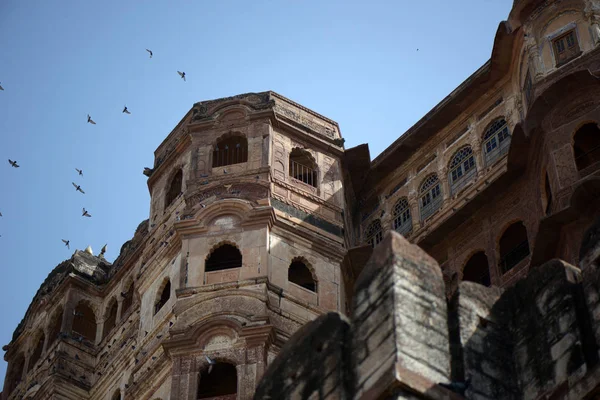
(462, 262)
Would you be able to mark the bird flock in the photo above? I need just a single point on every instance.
(84, 212)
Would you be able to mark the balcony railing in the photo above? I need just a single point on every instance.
(515, 256)
(433, 206)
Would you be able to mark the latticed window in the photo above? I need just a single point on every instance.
(462, 169)
(402, 218)
(374, 233)
(496, 141)
(565, 47)
(230, 150)
(303, 167)
(430, 196)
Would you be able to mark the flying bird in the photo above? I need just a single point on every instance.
(1, 88)
(125, 110)
(0, 214)
(90, 120)
(13, 163)
(66, 242)
(182, 74)
(79, 171)
(77, 187)
(85, 213)
(149, 51)
(210, 363)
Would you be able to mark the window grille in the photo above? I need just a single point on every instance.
(231, 150)
(431, 196)
(374, 233)
(462, 169)
(496, 141)
(303, 167)
(514, 246)
(402, 217)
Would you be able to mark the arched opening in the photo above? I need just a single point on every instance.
(174, 188)
(374, 233)
(586, 146)
(225, 256)
(127, 300)
(37, 351)
(15, 373)
(461, 169)
(110, 319)
(84, 322)
(163, 297)
(303, 167)
(548, 196)
(116, 395)
(496, 141)
(299, 274)
(477, 269)
(402, 217)
(220, 381)
(431, 198)
(514, 246)
(230, 150)
(54, 327)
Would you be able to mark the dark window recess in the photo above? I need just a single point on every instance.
(397, 187)
(164, 297)
(477, 269)
(84, 322)
(548, 190)
(223, 257)
(174, 188)
(586, 146)
(127, 300)
(514, 246)
(54, 328)
(369, 209)
(306, 217)
(231, 150)
(490, 108)
(565, 47)
(303, 167)
(299, 274)
(116, 395)
(15, 373)
(222, 381)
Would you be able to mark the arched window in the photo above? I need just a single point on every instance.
(477, 269)
(174, 188)
(54, 328)
(586, 146)
(430, 196)
(461, 169)
(220, 380)
(230, 150)
(84, 322)
(303, 167)
(374, 233)
(37, 351)
(225, 256)
(127, 299)
(514, 246)
(402, 218)
(299, 274)
(15, 373)
(110, 319)
(163, 296)
(116, 395)
(496, 141)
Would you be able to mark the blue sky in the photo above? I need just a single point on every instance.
(355, 62)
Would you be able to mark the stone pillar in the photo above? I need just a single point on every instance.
(478, 154)
(443, 177)
(400, 329)
(413, 203)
